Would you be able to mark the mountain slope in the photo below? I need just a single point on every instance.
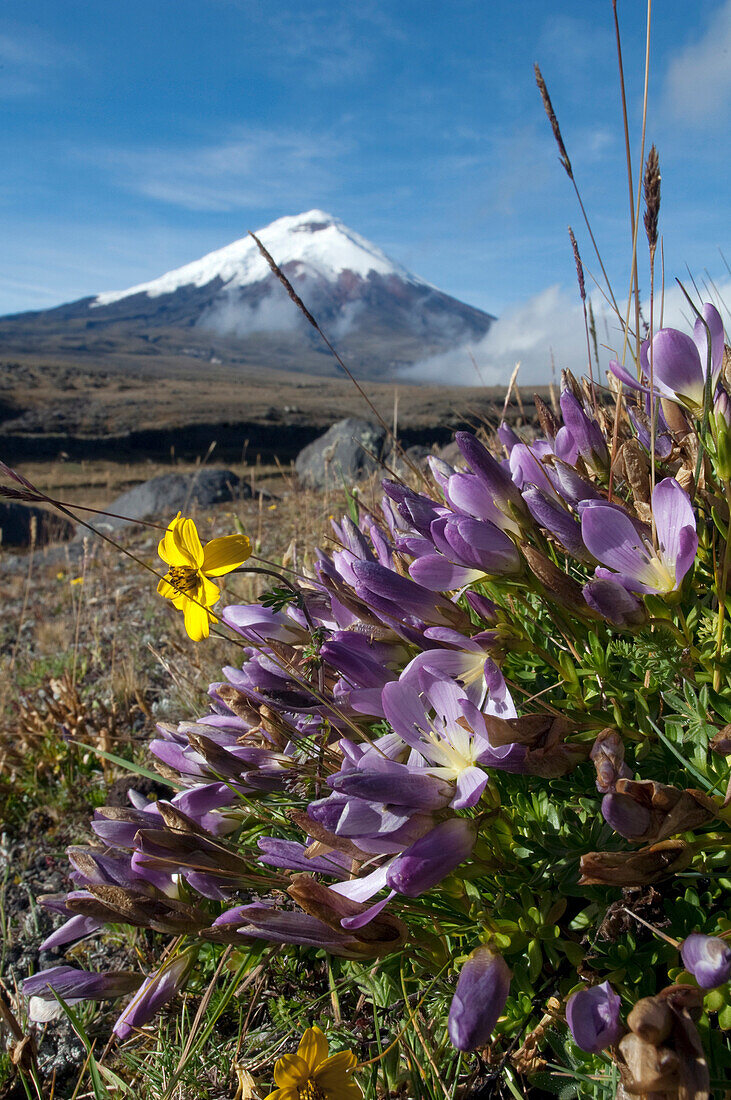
(228, 306)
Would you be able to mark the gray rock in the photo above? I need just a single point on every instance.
(16, 521)
(341, 454)
(162, 497)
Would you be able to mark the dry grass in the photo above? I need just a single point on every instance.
(89, 652)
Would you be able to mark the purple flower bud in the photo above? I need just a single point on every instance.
(722, 407)
(256, 623)
(586, 433)
(292, 856)
(486, 609)
(593, 1018)
(480, 997)
(156, 990)
(626, 816)
(415, 508)
(260, 921)
(707, 958)
(72, 986)
(490, 472)
(388, 592)
(75, 928)
(432, 858)
(552, 515)
(397, 785)
(613, 602)
(507, 436)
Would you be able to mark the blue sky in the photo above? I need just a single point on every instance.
(137, 136)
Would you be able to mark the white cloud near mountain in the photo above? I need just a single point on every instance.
(698, 81)
(549, 327)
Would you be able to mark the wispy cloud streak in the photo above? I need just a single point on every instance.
(249, 170)
(698, 83)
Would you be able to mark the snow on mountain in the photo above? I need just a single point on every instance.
(318, 241)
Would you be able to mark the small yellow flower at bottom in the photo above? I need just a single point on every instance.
(311, 1075)
(187, 582)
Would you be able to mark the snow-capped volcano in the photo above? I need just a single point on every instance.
(316, 242)
(230, 307)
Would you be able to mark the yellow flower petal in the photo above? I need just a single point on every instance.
(283, 1094)
(196, 621)
(168, 547)
(222, 555)
(208, 592)
(313, 1047)
(291, 1071)
(351, 1091)
(188, 541)
(336, 1070)
(165, 589)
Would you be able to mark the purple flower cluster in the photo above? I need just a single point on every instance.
(377, 705)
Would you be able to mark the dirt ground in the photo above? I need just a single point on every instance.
(157, 407)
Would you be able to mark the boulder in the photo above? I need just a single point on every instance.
(16, 522)
(343, 454)
(162, 497)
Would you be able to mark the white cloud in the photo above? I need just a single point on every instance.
(549, 327)
(569, 42)
(28, 62)
(251, 169)
(324, 44)
(698, 81)
(232, 317)
(548, 323)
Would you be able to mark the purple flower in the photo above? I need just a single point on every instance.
(551, 514)
(467, 493)
(585, 433)
(707, 958)
(72, 986)
(469, 550)
(416, 509)
(262, 921)
(391, 594)
(593, 1017)
(493, 475)
(679, 363)
(480, 996)
(156, 990)
(431, 858)
(453, 741)
(626, 816)
(527, 468)
(507, 436)
(626, 547)
(396, 785)
(468, 663)
(292, 856)
(257, 623)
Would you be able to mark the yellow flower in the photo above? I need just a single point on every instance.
(187, 582)
(311, 1075)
